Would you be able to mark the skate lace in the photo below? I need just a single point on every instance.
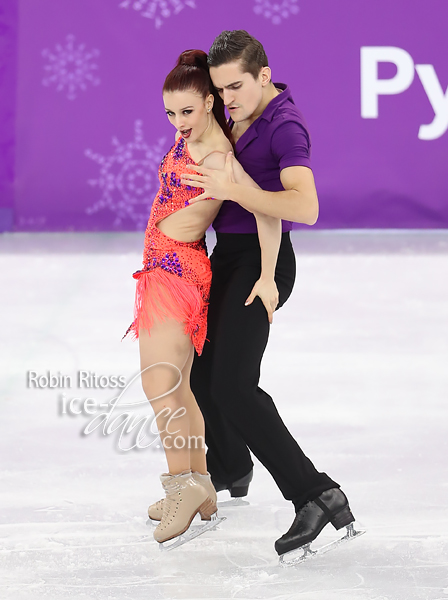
(173, 493)
(168, 506)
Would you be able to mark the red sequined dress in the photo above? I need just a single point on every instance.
(176, 276)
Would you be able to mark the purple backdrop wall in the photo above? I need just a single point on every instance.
(90, 127)
(8, 84)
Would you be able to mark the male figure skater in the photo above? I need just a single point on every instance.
(273, 147)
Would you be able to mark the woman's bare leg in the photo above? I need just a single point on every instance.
(197, 428)
(178, 416)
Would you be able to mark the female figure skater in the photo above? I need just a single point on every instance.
(170, 316)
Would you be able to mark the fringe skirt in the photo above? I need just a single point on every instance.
(163, 294)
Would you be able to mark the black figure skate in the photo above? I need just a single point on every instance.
(330, 507)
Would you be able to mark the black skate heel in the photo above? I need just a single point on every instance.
(237, 489)
(334, 504)
(343, 518)
(240, 488)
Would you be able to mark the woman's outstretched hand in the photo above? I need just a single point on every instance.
(216, 183)
(266, 289)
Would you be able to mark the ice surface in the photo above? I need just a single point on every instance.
(357, 364)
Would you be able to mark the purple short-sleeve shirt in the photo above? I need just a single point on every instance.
(278, 139)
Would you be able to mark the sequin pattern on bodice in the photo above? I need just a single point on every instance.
(171, 197)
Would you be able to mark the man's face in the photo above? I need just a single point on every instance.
(240, 92)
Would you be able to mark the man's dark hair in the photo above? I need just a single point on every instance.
(238, 45)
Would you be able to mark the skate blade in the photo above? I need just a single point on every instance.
(300, 555)
(233, 502)
(191, 533)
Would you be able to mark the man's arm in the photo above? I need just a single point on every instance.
(269, 235)
(298, 202)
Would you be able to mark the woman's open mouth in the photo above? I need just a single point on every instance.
(186, 133)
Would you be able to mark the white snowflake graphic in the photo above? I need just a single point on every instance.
(276, 11)
(128, 178)
(70, 68)
(158, 9)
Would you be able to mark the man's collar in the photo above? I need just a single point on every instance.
(279, 100)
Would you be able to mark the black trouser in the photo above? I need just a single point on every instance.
(238, 413)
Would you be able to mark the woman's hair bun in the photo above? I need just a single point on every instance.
(193, 58)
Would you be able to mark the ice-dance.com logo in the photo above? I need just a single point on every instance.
(134, 428)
